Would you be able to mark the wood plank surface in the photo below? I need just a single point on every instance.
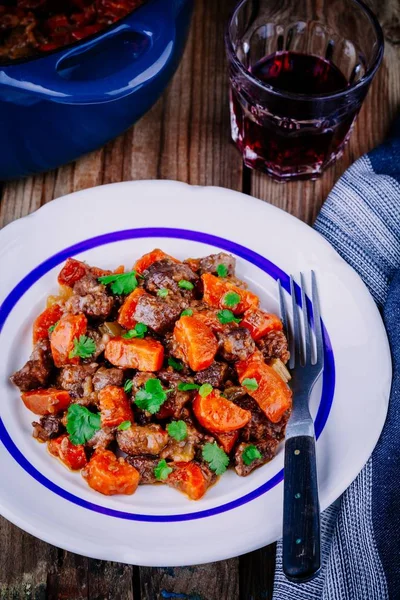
(185, 136)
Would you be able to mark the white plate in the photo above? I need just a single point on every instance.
(112, 225)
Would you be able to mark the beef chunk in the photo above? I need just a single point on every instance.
(209, 264)
(91, 298)
(48, 427)
(274, 345)
(236, 344)
(185, 450)
(172, 378)
(146, 439)
(157, 313)
(145, 465)
(260, 428)
(77, 379)
(166, 273)
(215, 375)
(140, 379)
(235, 392)
(173, 405)
(100, 342)
(104, 377)
(36, 372)
(267, 450)
(102, 438)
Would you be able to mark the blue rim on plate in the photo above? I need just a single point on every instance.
(254, 258)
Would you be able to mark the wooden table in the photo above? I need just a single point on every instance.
(185, 137)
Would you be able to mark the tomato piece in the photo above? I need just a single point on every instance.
(72, 456)
(115, 407)
(227, 440)
(215, 290)
(216, 413)
(196, 341)
(127, 310)
(142, 354)
(67, 329)
(46, 402)
(188, 478)
(110, 475)
(259, 323)
(151, 257)
(72, 271)
(46, 319)
(273, 395)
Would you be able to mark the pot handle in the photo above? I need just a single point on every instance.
(50, 77)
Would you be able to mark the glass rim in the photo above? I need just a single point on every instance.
(365, 79)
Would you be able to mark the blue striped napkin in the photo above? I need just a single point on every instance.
(361, 532)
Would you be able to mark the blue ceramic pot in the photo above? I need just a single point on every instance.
(56, 108)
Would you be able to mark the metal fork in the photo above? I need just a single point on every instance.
(301, 521)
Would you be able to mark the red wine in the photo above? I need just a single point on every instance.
(284, 135)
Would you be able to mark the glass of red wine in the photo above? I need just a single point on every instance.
(299, 72)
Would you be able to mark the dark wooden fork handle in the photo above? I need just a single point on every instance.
(301, 521)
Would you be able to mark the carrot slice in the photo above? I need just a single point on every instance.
(273, 396)
(127, 310)
(142, 354)
(72, 271)
(46, 319)
(216, 413)
(67, 329)
(151, 257)
(196, 341)
(209, 318)
(216, 289)
(259, 323)
(110, 475)
(114, 406)
(188, 478)
(73, 457)
(46, 402)
(227, 440)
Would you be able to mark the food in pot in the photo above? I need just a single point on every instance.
(167, 373)
(31, 27)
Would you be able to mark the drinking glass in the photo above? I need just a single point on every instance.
(299, 72)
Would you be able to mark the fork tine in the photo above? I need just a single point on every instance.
(296, 356)
(307, 333)
(317, 320)
(283, 310)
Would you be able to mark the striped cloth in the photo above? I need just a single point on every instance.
(361, 531)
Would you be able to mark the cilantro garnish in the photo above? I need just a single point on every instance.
(81, 424)
(163, 293)
(226, 316)
(187, 312)
(162, 470)
(151, 397)
(124, 425)
(222, 270)
(231, 299)
(205, 390)
(186, 387)
(177, 430)
(138, 332)
(175, 364)
(128, 386)
(84, 347)
(185, 285)
(250, 454)
(250, 384)
(52, 327)
(121, 283)
(216, 458)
